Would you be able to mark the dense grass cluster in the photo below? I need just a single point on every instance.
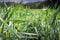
(17, 23)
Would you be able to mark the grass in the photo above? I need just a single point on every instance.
(17, 23)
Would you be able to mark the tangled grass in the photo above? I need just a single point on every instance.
(17, 23)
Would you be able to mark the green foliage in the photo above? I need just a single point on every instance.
(17, 23)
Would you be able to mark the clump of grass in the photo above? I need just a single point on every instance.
(26, 24)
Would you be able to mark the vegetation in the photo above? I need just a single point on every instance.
(17, 23)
